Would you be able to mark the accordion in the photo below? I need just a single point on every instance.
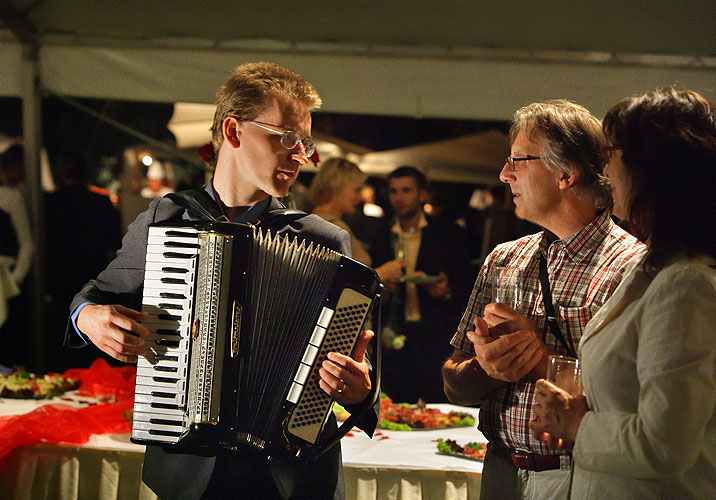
(240, 320)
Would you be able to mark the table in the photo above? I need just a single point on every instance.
(406, 465)
(108, 467)
(391, 466)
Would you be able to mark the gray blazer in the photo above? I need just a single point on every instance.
(183, 476)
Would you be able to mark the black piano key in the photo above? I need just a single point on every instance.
(164, 357)
(180, 244)
(159, 394)
(165, 406)
(162, 421)
(177, 255)
(166, 380)
(173, 317)
(176, 270)
(164, 331)
(170, 295)
(173, 281)
(168, 343)
(170, 369)
(156, 432)
(180, 234)
(170, 306)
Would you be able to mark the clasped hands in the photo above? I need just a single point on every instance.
(557, 415)
(117, 330)
(506, 344)
(508, 348)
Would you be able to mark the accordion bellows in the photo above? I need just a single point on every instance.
(241, 320)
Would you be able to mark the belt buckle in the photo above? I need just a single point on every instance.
(523, 460)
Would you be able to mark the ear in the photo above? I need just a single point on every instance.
(569, 179)
(231, 128)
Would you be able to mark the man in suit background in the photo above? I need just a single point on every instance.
(426, 304)
(261, 134)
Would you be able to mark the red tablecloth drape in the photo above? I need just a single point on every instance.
(63, 423)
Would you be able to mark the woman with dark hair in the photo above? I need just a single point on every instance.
(646, 425)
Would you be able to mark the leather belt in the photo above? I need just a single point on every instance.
(528, 461)
(534, 462)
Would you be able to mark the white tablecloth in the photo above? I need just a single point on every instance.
(391, 466)
(406, 466)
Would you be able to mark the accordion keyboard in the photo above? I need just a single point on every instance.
(160, 392)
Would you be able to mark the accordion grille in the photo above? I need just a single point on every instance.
(286, 297)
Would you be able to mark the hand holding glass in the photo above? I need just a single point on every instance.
(507, 285)
(565, 373)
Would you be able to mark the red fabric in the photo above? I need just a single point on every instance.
(62, 423)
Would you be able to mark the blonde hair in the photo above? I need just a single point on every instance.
(334, 175)
(245, 93)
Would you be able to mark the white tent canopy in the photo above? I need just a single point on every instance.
(421, 58)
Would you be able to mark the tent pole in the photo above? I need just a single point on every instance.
(32, 139)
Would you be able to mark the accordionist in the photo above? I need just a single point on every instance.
(262, 135)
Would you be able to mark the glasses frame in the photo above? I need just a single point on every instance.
(289, 138)
(510, 160)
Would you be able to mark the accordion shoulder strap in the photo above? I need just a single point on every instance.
(198, 203)
(280, 217)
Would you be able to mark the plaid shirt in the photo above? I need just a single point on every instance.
(584, 269)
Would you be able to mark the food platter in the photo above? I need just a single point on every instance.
(471, 451)
(407, 417)
(25, 385)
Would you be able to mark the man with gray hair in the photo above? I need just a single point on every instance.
(568, 271)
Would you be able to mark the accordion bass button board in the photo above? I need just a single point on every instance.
(240, 321)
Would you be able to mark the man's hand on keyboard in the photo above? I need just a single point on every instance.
(114, 329)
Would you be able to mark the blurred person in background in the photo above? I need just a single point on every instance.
(646, 425)
(555, 175)
(83, 232)
(16, 249)
(335, 192)
(425, 305)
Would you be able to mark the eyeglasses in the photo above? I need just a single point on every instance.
(289, 138)
(511, 161)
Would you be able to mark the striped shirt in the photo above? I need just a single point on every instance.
(584, 269)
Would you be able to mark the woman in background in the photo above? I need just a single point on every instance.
(647, 427)
(335, 192)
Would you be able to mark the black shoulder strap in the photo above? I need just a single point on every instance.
(199, 204)
(549, 306)
(282, 216)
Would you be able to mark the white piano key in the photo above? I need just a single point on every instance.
(171, 261)
(294, 392)
(325, 318)
(144, 435)
(176, 399)
(183, 268)
(147, 408)
(302, 374)
(179, 364)
(310, 355)
(151, 381)
(155, 231)
(153, 322)
(318, 333)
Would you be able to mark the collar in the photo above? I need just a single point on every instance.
(422, 222)
(581, 244)
(254, 212)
